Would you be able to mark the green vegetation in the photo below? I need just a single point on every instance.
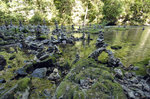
(130, 12)
(16, 63)
(100, 82)
(112, 10)
(23, 84)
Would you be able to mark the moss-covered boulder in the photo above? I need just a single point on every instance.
(17, 91)
(89, 80)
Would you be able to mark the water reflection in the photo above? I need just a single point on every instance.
(135, 44)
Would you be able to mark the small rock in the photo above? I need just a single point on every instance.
(147, 94)
(128, 75)
(9, 66)
(135, 68)
(47, 93)
(2, 62)
(118, 72)
(39, 72)
(44, 57)
(116, 47)
(141, 93)
(134, 80)
(2, 80)
(12, 57)
(146, 87)
(55, 75)
(131, 95)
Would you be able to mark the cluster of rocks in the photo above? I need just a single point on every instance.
(100, 40)
(101, 47)
(135, 86)
(11, 34)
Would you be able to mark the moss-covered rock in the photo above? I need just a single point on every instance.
(41, 87)
(89, 80)
(116, 47)
(14, 88)
(48, 62)
(23, 84)
(42, 37)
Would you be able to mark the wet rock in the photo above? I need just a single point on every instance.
(2, 62)
(55, 75)
(2, 80)
(39, 72)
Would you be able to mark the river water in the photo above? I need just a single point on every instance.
(135, 43)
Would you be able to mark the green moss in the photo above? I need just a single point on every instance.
(142, 66)
(103, 57)
(23, 84)
(42, 37)
(94, 31)
(4, 43)
(66, 89)
(102, 86)
(79, 95)
(40, 85)
(116, 47)
(16, 63)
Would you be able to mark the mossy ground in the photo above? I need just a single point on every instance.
(94, 31)
(15, 64)
(88, 69)
(38, 87)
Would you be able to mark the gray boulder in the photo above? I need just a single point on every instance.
(39, 72)
(21, 72)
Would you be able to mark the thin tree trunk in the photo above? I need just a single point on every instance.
(85, 16)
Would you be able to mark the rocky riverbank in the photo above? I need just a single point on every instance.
(32, 65)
